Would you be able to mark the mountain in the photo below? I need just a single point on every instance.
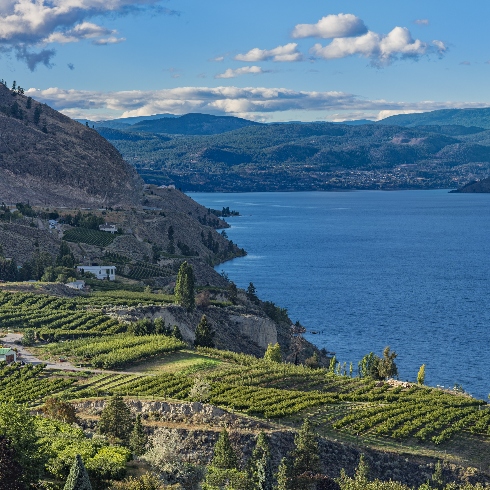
(193, 124)
(123, 122)
(47, 158)
(462, 117)
(309, 156)
(477, 187)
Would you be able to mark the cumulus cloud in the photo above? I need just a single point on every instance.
(288, 52)
(245, 70)
(380, 49)
(331, 26)
(26, 23)
(250, 102)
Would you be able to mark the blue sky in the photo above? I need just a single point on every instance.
(266, 60)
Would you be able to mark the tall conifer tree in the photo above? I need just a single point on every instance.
(78, 477)
(184, 287)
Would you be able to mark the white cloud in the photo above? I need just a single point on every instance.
(245, 70)
(250, 102)
(26, 23)
(288, 52)
(396, 112)
(340, 25)
(422, 22)
(381, 49)
(218, 59)
(109, 40)
(85, 30)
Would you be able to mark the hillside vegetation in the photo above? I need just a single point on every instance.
(312, 156)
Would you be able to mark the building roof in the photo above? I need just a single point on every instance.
(4, 351)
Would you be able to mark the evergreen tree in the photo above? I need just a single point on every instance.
(177, 333)
(252, 293)
(37, 114)
(223, 471)
(224, 457)
(10, 469)
(138, 438)
(284, 475)
(259, 467)
(305, 458)
(273, 353)
(184, 287)
(204, 334)
(115, 420)
(78, 477)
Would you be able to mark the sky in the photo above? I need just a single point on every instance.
(265, 60)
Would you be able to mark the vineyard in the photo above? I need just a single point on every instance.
(340, 403)
(143, 270)
(56, 318)
(53, 318)
(88, 236)
(115, 352)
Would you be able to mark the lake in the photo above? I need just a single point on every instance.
(366, 269)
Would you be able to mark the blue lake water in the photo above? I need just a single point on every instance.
(408, 269)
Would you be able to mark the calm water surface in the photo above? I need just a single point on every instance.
(408, 269)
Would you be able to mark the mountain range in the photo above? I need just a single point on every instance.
(223, 153)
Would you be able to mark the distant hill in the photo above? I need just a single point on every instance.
(462, 117)
(477, 187)
(306, 156)
(193, 124)
(123, 122)
(47, 158)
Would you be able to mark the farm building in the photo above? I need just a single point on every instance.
(100, 271)
(8, 355)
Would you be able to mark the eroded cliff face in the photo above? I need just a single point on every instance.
(235, 328)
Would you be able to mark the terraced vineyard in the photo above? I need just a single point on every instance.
(88, 236)
(142, 270)
(357, 407)
(53, 318)
(117, 351)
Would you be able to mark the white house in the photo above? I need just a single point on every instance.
(109, 228)
(8, 355)
(75, 284)
(100, 271)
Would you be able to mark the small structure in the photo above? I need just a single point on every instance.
(76, 285)
(100, 271)
(109, 228)
(52, 224)
(8, 355)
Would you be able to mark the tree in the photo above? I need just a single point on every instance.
(29, 103)
(313, 361)
(37, 114)
(386, 365)
(138, 438)
(184, 287)
(115, 420)
(223, 471)
(177, 333)
(421, 375)
(368, 366)
(305, 457)
(252, 293)
(17, 425)
(273, 353)
(60, 410)
(259, 466)
(78, 477)
(284, 475)
(29, 337)
(233, 293)
(204, 334)
(148, 481)
(224, 456)
(10, 469)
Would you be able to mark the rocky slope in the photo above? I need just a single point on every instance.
(47, 158)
